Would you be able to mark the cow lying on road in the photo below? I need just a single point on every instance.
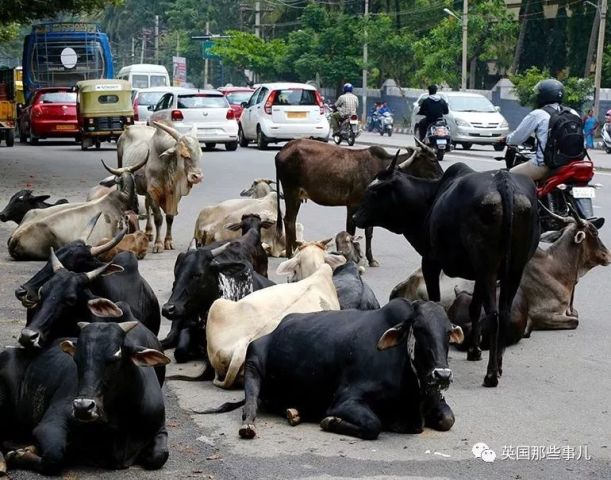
(137, 243)
(22, 202)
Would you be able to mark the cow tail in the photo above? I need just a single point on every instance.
(225, 407)
(505, 188)
(279, 213)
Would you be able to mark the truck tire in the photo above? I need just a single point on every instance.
(10, 137)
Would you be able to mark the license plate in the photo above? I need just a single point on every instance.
(64, 127)
(485, 134)
(296, 114)
(442, 142)
(583, 192)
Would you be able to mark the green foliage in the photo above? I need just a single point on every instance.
(534, 51)
(557, 51)
(9, 32)
(579, 26)
(577, 90)
(22, 11)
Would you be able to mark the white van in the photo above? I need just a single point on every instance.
(145, 75)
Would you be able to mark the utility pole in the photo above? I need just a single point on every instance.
(143, 46)
(364, 95)
(258, 19)
(599, 55)
(465, 20)
(177, 44)
(591, 44)
(133, 49)
(157, 39)
(206, 59)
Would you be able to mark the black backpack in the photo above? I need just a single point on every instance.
(565, 139)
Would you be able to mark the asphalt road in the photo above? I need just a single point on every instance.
(553, 396)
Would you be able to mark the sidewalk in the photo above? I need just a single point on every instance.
(601, 159)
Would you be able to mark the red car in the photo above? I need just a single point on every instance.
(50, 114)
(236, 96)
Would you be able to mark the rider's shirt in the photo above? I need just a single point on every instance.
(347, 104)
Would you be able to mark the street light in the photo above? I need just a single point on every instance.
(464, 19)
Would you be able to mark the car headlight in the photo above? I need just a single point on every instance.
(504, 124)
(462, 123)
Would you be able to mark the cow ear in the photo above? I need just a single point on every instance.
(267, 223)
(393, 336)
(287, 267)
(580, 236)
(456, 335)
(268, 248)
(358, 238)
(112, 268)
(169, 154)
(149, 357)
(102, 307)
(550, 237)
(234, 227)
(68, 347)
(334, 260)
(41, 198)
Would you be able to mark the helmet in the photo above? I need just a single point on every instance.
(549, 91)
(608, 113)
(347, 87)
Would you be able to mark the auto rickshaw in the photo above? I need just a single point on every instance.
(8, 112)
(104, 109)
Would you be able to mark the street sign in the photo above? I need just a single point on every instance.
(206, 53)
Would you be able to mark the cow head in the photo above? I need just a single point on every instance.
(426, 332)
(252, 221)
(20, 204)
(126, 185)
(349, 246)
(420, 161)
(76, 256)
(307, 259)
(259, 188)
(186, 154)
(101, 355)
(64, 299)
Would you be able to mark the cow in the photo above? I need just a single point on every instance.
(232, 325)
(307, 259)
(480, 226)
(100, 408)
(36, 235)
(334, 176)
(354, 371)
(173, 168)
(352, 292)
(349, 246)
(137, 243)
(259, 188)
(22, 202)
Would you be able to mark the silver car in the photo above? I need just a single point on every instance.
(143, 98)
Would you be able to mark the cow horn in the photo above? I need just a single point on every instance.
(115, 171)
(393, 164)
(215, 252)
(580, 221)
(127, 326)
(409, 161)
(97, 272)
(169, 130)
(85, 234)
(55, 263)
(137, 166)
(423, 145)
(192, 245)
(557, 217)
(99, 249)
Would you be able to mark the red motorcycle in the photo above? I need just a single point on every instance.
(566, 190)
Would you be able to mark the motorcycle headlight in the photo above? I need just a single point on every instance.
(462, 123)
(504, 124)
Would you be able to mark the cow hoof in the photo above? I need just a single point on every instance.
(248, 431)
(474, 354)
(158, 247)
(490, 380)
(168, 244)
(327, 422)
(149, 235)
(374, 263)
(292, 415)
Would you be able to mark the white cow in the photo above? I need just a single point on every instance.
(231, 326)
(307, 259)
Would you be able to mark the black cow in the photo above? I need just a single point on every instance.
(325, 366)
(352, 292)
(101, 408)
(66, 299)
(22, 202)
(481, 226)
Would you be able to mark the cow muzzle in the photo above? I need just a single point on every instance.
(194, 178)
(85, 410)
(3, 217)
(170, 311)
(30, 338)
(440, 378)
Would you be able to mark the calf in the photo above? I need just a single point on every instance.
(341, 369)
(232, 325)
(352, 292)
(137, 243)
(260, 188)
(22, 202)
(307, 259)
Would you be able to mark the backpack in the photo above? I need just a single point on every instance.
(565, 139)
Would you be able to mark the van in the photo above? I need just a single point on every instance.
(144, 75)
(472, 119)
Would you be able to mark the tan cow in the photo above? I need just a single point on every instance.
(136, 242)
(231, 326)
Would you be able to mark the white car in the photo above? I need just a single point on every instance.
(278, 112)
(472, 119)
(206, 110)
(144, 98)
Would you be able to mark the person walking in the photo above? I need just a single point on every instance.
(590, 124)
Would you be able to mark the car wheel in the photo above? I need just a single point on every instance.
(23, 136)
(608, 150)
(499, 147)
(466, 145)
(10, 137)
(33, 138)
(209, 146)
(83, 146)
(261, 140)
(231, 146)
(243, 141)
(97, 144)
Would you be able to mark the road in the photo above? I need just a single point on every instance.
(554, 392)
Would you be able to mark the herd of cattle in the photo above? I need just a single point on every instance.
(318, 348)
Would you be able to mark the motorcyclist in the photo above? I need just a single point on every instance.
(433, 108)
(346, 105)
(548, 92)
(384, 108)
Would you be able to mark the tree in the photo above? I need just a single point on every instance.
(579, 25)
(22, 11)
(533, 52)
(557, 49)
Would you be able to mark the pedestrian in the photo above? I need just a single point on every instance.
(590, 123)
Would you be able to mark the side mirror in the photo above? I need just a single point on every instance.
(497, 108)
(151, 108)
(244, 104)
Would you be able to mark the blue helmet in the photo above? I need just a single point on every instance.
(347, 87)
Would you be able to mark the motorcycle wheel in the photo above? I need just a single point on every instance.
(439, 154)
(498, 147)
(390, 132)
(351, 138)
(337, 139)
(608, 150)
(382, 132)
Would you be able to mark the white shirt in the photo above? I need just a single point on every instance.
(347, 104)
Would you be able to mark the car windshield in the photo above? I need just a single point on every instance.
(149, 98)
(140, 81)
(58, 97)
(295, 96)
(201, 101)
(236, 98)
(159, 81)
(470, 104)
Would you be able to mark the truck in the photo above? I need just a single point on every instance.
(8, 112)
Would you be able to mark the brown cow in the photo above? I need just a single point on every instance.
(333, 176)
(136, 242)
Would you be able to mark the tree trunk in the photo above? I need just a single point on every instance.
(592, 44)
(523, 19)
(472, 72)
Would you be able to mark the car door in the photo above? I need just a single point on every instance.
(258, 110)
(246, 119)
(162, 109)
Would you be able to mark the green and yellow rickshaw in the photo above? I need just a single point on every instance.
(104, 110)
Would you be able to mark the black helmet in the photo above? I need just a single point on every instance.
(549, 91)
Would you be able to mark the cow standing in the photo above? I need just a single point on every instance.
(173, 168)
(481, 226)
(333, 176)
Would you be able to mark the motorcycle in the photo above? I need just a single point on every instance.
(349, 129)
(385, 124)
(438, 138)
(567, 191)
(606, 134)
